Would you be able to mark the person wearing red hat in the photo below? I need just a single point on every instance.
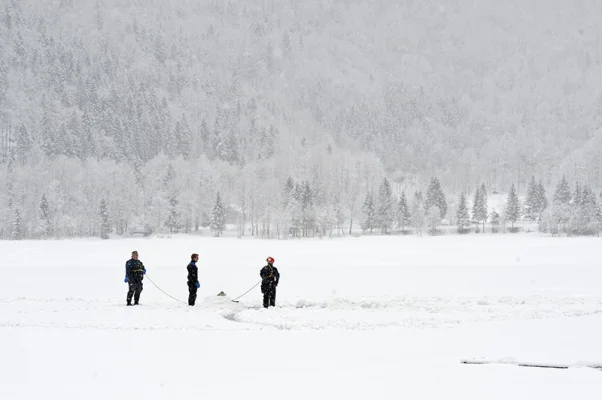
(269, 281)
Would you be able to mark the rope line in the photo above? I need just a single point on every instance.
(247, 291)
(164, 292)
(183, 302)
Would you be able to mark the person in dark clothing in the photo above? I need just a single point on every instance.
(269, 281)
(193, 279)
(134, 274)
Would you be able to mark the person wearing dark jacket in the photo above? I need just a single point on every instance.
(134, 274)
(193, 279)
(269, 281)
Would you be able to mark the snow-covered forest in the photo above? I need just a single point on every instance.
(289, 118)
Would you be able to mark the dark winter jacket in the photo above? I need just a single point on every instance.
(269, 278)
(134, 270)
(193, 273)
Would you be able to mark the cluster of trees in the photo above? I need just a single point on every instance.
(385, 213)
(66, 197)
(574, 212)
(80, 203)
(571, 213)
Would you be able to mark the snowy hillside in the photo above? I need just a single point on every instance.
(154, 107)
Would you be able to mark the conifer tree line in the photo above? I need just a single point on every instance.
(570, 213)
(173, 197)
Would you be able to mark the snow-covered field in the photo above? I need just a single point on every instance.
(376, 317)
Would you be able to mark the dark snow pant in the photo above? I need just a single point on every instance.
(135, 288)
(269, 297)
(191, 294)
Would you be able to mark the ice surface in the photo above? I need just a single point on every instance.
(388, 317)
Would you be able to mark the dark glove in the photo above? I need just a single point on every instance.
(198, 285)
(126, 279)
(144, 272)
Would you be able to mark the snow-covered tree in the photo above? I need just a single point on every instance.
(183, 137)
(308, 210)
(385, 212)
(532, 208)
(584, 212)
(563, 192)
(218, 219)
(17, 231)
(103, 216)
(24, 143)
(369, 211)
(403, 212)
(462, 217)
(542, 200)
(512, 207)
(479, 206)
(173, 219)
(436, 197)
(560, 213)
(45, 217)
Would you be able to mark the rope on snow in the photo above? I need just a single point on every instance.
(164, 292)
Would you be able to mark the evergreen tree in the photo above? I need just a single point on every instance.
(561, 207)
(183, 137)
(17, 233)
(436, 197)
(512, 207)
(563, 193)
(23, 144)
(103, 215)
(578, 197)
(218, 220)
(532, 202)
(384, 216)
(590, 209)
(230, 151)
(45, 216)
(217, 141)
(205, 136)
(598, 214)
(266, 142)
(476, 204)
(462, 215)
(294, 210)
(479, 206)
(584, 216)
(173, 219)
(403, 212)
(307, 206)
(482, 213)
(541, 199)
(369, 213)
(289, 186)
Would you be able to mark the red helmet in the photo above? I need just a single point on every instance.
(270, 260)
